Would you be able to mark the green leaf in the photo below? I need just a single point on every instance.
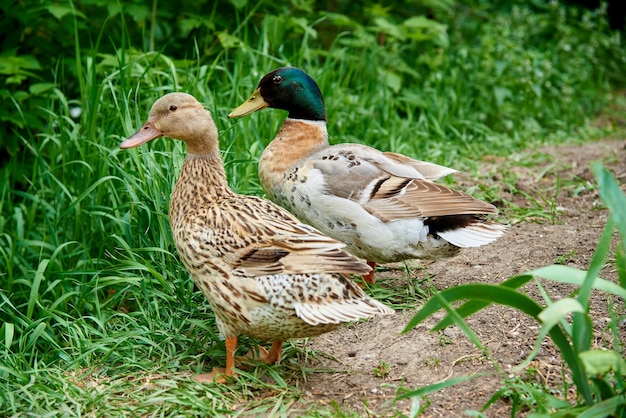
(501, 94)
(340, 19)
(34, 289)
(389, 28)
(554, 313)
(189, 24)
(392, 80)
(305, 26)
(8, 330)
(275, 27)
(509, 297)
(59, 11)
(612, 196)
(606, 408)
(438, 386)
(227, 40)
(601, 362)
(582, 331)
(39, 88)
(239, 4)
(422, 28)
(458, 320)
(474, 306)
(488, 293)
(550, 316)
(13, 65)
(571, 275)
(138, 12)
(86, 193)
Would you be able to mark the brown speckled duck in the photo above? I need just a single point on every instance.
(384, 206)
(265, 274)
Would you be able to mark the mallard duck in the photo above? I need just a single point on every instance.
(385, 206)
(265, 274)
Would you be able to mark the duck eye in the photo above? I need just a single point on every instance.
(277, 79)
(173, 107)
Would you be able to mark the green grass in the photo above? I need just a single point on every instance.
(97, 314)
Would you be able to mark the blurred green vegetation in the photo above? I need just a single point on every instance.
(504, 65)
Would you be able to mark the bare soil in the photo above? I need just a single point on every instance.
(422, 357)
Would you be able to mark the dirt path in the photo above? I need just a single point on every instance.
(421, 357)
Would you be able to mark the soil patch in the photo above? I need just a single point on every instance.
(375, 359)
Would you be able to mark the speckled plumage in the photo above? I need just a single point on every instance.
(265, 274)
(385, 206)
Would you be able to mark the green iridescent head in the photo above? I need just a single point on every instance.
(289, 89)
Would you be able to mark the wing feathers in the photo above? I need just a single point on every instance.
(399, 198)
(428, 170)
(336, 312)
(276, 243)
(473, 235)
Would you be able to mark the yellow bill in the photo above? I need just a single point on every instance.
(254, 103)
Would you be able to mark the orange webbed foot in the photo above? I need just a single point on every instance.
(217, 375)
(369, 277)
(220, 375)
(268, 357)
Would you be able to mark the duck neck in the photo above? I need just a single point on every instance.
(202, 181)
(296, 139)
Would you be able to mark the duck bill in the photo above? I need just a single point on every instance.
(254, 103)
(148, 132)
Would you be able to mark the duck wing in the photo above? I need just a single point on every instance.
(272, 242)
(392, 186)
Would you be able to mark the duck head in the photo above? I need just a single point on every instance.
(289, 89)
(178, 116)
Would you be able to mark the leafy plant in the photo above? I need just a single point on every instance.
(382, 369)
(526, 396)
(432, 361)
(565, 258)
(598, 375)
(444, 339)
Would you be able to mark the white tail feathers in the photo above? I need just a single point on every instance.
(473, 235)
(334, 313)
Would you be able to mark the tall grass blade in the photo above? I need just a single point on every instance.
(485, 293)
(472, 306)
(460, 322)
(34, 289)
(557, 273)
(438, 386)
(88, 191)
(571, 275)
(509, 297)
(612, 407)
(612, 196)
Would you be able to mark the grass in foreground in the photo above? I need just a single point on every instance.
(598, 374)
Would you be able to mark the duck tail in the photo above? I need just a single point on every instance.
(473, 235)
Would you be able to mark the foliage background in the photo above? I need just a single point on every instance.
(494, 50)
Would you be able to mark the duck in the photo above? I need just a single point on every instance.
(265, 274)
(386, 207)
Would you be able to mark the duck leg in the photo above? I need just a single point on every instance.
(218, 373)
(369, 277)
(231, 347)
(275, 351)
(268, 357)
